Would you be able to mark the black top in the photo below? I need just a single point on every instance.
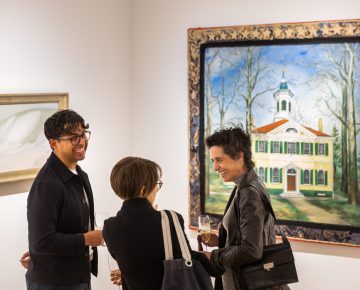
(58, 215)
(134, 238)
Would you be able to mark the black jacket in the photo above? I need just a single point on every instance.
(57, 218)
(134, 238)
(253, 231)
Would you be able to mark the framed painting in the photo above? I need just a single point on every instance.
(295, 88)
(23, 146)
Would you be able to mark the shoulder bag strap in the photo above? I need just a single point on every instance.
(185, 252)
(265, 201)
(165, 223)
(269, 208)
(166, 236)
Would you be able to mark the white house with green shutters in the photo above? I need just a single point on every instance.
(292, 159)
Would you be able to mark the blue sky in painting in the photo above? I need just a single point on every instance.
(301, 63)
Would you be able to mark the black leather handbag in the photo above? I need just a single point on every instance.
(277, 265)
(185, 273)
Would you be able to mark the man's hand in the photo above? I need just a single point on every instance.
(25, 260)
(94, 238)
(115, 277)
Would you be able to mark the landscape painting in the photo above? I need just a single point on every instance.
(300, 102)
(23, 146)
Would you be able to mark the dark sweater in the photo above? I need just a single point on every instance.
(58, 215)
(134, 238)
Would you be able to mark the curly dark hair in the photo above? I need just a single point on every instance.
(233, 140)
(63, 122)
(134, 177)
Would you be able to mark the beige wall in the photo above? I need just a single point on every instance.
(159, 96)
(124, 64)
(80, 47)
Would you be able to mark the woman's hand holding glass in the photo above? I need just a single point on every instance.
(115, 273)
(204, 228)
(213, 241)
(115, 277)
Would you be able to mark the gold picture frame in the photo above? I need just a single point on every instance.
(21, 125)
(200, 39)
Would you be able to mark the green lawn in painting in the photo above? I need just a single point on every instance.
(284, 209)
(216, 203)
(339, 206)
(346, 212)
(335, 210)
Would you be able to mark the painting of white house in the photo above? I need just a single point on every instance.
(300, 103)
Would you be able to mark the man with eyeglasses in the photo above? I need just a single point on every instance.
(60, 212)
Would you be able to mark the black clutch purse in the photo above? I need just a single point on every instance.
(277, 265)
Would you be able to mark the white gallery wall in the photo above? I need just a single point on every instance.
(124, 65)
(80, 47)
(160, 106)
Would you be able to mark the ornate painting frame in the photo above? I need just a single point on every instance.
(18, 111)
(198, 39)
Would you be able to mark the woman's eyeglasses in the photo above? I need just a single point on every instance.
(159, 184)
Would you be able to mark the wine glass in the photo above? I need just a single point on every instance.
(100, 217)
(113, 267)
(204, 228)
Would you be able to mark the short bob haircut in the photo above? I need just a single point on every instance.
(233, 140)
(134, 177)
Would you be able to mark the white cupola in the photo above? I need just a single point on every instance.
(284, 99)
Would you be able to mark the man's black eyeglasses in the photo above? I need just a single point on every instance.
(75, 139)
(159, 184)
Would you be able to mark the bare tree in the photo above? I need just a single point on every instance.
(208, 128)
(344, 140)
(342, 64)
(350, 86)
(225, 95)
(339, 110)
(255, 72)
(209, 94)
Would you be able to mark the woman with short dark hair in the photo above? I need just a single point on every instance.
(246, 226)
(134, 236)
(134, 177)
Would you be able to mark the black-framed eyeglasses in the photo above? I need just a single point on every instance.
(159, 184)
(75, 139)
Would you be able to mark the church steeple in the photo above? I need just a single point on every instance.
(283, 84)
(283, 97)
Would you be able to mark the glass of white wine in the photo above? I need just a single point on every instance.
(100, 218)
(204, 228)
(114, 268)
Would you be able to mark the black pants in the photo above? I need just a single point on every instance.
(35, 286)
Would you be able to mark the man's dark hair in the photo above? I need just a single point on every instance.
(233, 140)
(134, 177)
(62, 123)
